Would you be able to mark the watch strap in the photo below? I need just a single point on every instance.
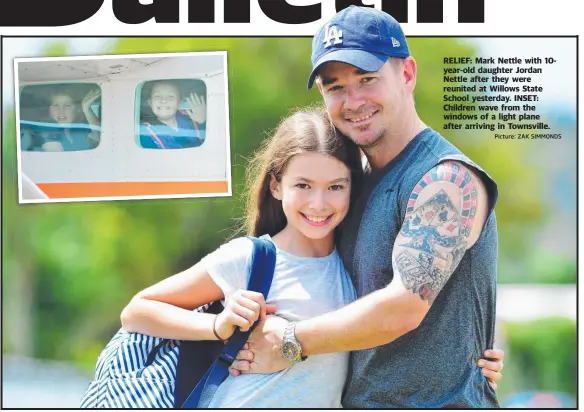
(290, 335)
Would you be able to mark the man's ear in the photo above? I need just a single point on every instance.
(410, 72)
(275, 188)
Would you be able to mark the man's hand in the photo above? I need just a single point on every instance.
(261, 353)
(492, 368)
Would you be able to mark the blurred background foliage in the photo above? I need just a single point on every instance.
(550, 364)
(69, 269)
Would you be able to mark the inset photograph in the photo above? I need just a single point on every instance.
(122, 127)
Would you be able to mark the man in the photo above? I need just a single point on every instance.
(420, 244)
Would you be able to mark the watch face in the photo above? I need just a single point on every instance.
(290, 350)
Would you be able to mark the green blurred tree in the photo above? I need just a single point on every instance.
(543, 354)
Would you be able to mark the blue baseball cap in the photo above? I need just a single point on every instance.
(363, 37)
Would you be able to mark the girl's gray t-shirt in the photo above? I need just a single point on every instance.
(302, 288)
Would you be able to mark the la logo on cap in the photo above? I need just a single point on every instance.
(330, 33)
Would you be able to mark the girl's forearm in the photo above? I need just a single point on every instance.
(162, 320)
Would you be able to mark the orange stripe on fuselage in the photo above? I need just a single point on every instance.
(114, 189)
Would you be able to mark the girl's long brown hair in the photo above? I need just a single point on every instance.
(308, 130)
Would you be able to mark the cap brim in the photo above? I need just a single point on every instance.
(364, 60)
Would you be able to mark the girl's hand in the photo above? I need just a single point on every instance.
(198, 108)
(242, 310)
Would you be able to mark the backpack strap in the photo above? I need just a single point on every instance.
(262, 265)
(154, 135)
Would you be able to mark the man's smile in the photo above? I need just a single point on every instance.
(361, 118)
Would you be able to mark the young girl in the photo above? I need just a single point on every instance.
(303, 181)
(169, 128)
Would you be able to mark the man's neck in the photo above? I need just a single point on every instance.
(393, 144)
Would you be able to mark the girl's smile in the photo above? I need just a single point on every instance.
(316, 220)
(315, 192)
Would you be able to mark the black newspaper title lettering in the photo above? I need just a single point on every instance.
(283, 12)
(201, 11)
(432, 11)
(236, 11)
(51, 12)
(343, 4)
(397, 8)
(428, 11)
(471, 11)
(134, 12)
(47, 13)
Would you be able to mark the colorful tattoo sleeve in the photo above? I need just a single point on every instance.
(435, 231)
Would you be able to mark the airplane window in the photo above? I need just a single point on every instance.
(60, 117)
(172, 114)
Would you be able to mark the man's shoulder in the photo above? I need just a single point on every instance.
(442, 155)
(439, 146)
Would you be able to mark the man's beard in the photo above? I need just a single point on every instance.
(380, 136)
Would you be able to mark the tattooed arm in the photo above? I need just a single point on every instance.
(445, 215)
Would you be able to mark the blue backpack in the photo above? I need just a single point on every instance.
(140, 371)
